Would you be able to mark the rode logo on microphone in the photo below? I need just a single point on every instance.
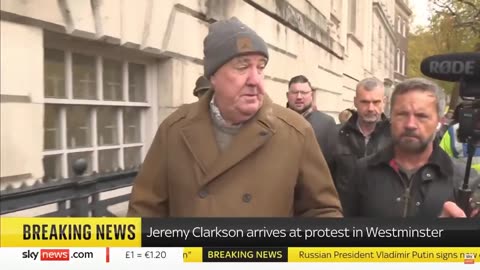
(453, 67)
(54, 254)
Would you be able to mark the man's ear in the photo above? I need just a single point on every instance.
(355, 102)
(212, 81)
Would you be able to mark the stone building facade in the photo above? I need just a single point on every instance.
(94, 78)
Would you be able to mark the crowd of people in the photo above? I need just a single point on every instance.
(235, 153)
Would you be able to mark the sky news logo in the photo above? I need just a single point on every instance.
(469, 258)
(55, 255)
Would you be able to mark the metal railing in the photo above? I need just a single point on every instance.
(75, 197)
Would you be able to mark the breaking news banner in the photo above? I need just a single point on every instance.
(211, 243)
(306, 232)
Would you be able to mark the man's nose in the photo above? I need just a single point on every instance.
(411, 122)
(371, 107)
(254, 76)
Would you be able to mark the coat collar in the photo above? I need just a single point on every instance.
(201, 110)
(438, 160)
(351, 124)
(198, 134)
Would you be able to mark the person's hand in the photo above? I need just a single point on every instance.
(452, 210)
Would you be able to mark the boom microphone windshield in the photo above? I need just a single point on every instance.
(452, 67)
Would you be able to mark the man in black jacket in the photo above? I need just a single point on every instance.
(413, 176)
(300, 99)
(365, 133)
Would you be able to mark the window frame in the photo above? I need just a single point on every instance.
(147, 115)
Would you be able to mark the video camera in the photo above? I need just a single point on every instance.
(463, 68)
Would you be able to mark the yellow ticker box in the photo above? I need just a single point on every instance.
(193, 254)
(70, 232)
(393, 254)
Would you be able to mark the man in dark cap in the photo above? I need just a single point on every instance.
(224, 156)
(202, 85)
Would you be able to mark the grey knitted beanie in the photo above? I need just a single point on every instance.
(227, 39)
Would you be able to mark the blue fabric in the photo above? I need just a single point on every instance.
(465, 151)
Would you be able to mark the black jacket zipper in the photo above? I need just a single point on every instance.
(406, 192)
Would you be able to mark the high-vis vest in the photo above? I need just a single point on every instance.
(456, 149)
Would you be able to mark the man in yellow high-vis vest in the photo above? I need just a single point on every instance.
(458, 150)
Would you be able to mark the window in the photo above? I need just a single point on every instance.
(54, 74)
(112, 79)
(84, 76)
(94, 109)
(393, 59)
(397, 61)
(386, 43)
(386, 52)
(399, 24)
(404, 28)
(403, 63)
(380, 38)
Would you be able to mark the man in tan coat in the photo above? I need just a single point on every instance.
(234, 153)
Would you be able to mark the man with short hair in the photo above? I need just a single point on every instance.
(413, 177)
(300, 99)
(365, 133)
(225, 155)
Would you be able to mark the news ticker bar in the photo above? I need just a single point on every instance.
(237, 232)
(334, 254)
(106, 256)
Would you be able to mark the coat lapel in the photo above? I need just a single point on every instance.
(245, 143)
(199, 136)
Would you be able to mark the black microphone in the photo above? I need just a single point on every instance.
(452, 67)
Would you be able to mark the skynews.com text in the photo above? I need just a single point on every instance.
(56, 255)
